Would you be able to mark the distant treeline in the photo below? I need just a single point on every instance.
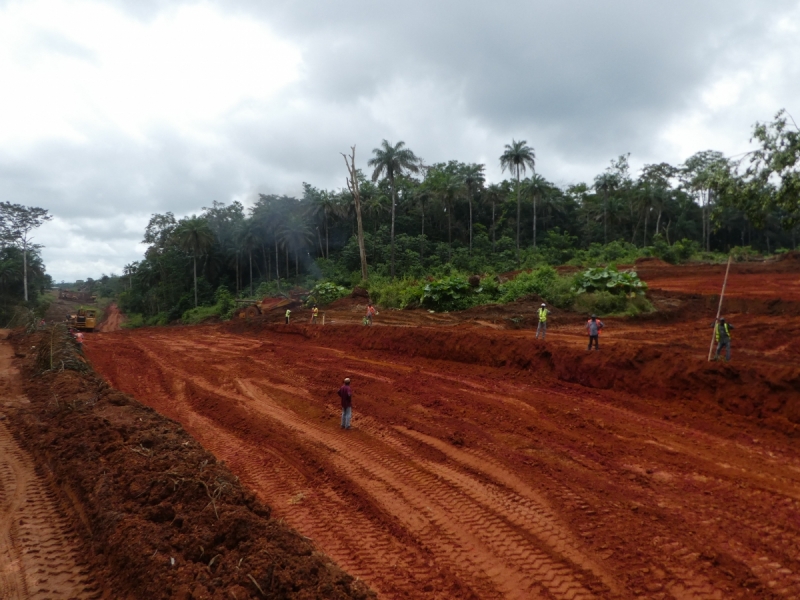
(447, 218)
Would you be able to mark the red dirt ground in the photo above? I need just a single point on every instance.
(486, 464)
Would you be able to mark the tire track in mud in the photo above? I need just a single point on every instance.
(476, 492)
(484, 538)
(357, 542)
(38, 556)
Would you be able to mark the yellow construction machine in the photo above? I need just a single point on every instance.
(85, 319)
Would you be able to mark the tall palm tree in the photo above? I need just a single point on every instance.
(517, 157)
(473, 180)
(493, 195)
(392, 161)
(450, 186)
(537, 187)
(195, 236)
(250, 240)
(295, 235)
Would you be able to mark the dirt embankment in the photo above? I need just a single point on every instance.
(159, 516)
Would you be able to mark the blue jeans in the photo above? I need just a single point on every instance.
(346, 414)
(543, 328)
(727, 345)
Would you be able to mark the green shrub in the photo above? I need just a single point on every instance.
(679, 252)
(400, 293)
(449, 293)
(537, 282)
(605, 303)
(325, 293)
(133, 320)
(193, 316)
(610, 280)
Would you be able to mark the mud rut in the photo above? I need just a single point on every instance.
(465, 481)
(39, 557)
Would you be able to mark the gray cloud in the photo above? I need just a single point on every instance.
(581, 81)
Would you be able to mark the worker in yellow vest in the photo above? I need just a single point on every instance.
(722, 333)
(288, 312)
(314, 315)
(543, 312)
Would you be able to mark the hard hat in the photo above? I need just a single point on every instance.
(543, 304)
(347, 380)
(722, 318)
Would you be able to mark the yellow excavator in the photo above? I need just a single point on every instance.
(85, 319)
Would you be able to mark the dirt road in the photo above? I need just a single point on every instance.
(39, 557)
(474, 481)
(113, 320)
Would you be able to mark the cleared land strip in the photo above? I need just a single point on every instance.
(559, 492)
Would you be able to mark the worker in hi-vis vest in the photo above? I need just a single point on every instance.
(314, 315)
(543, 312)
(722, 333)
(288, 312)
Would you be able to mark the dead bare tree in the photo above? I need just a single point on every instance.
(352, 185)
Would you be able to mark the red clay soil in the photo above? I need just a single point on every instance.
(487, 464)
(158, 516)
(112, 319)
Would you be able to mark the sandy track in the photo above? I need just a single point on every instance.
(39, 558)
(466, 481)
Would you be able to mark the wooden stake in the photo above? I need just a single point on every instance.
(719, 309)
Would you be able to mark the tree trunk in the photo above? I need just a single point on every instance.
(519, 213)
(470, 223)
(287, 261)
(194, 261)
(319, 239)
(277, 264)
(422, 234)
(394, 201)
(250, 252)
(25, 269)
(658, 220)
(534, 220)
(327, 245)
(493, 227)
(646, 217)
(449, 235)
(605, 216)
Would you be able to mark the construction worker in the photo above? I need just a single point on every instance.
(371, 312)
(346, 394)
(594, 326)
(288, 313)
(314, 315)
(722, 333)
(78, 335)
(543, 312)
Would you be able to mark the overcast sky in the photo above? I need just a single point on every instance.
(111, 111)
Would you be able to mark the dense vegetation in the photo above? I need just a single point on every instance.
(446, 223)
(22, 272)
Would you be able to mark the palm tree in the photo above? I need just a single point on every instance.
(473, 179)
(518, 156)
(249, 239)
(393, 161)
(449, 187)
(295, 235)
(537, 187)
(493, 195)
(195, 236)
